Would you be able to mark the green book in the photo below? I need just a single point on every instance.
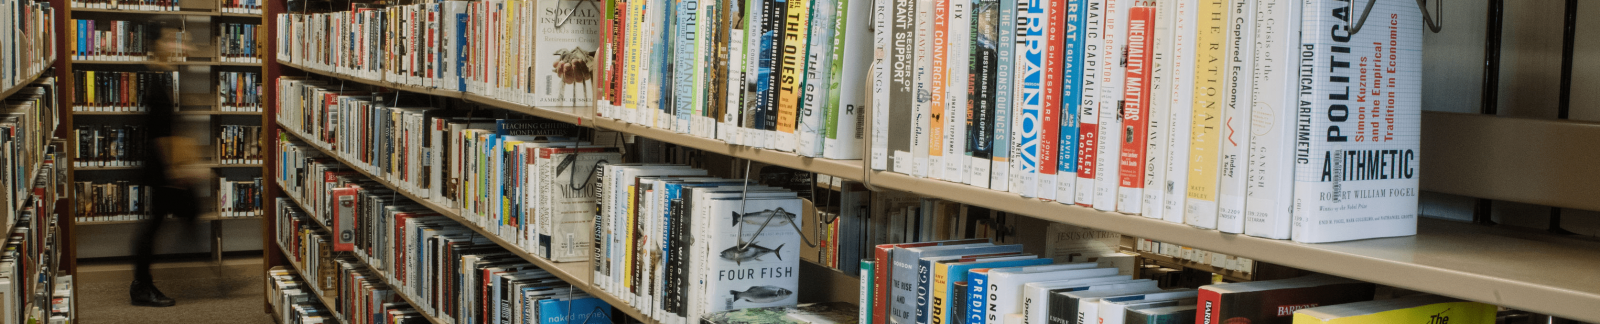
(866, 292)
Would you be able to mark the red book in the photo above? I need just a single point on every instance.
(1136, 102)
(1050, 109)
(344, 214)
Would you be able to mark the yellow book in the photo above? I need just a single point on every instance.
(1424, 309)
(1205, 144)
(941, 278)
(89, 81)
(793, 80)
(627, 253)
(510, 148)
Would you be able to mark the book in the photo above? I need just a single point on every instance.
(957, 272)
(1005, 284)
(563, 53)
(1237, 103)
(820, 53)
(1089, 90)
(867, 292)
(1411, 309)
(1113, 50)
(1270, 176)
(1160, 107)
(1072, 65)
(1200, 204)
(983, 75)
(1180, 314)
(1136, 109)
(1114, 309)
(957, 59)
(846, 101)
(817, 313)
(1029, 121)
(1338, 169)
(1274, 301)
(1181, 104)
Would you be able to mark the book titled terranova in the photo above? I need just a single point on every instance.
(1356, 145)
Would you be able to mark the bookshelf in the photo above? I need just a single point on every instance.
(1522, 269)
(197, 99)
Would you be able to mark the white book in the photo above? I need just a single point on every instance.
(955, 85)
(819, 61)
(1236, 124)
(882, 38)
(1160, 106)
(1005, 284)
(1026, 118)
(1181, 110)
(1036, 295)
(1114, 42)
(1088, 104)
(1271, 173)
(857, 47)
(1114, 309)
(921, 115)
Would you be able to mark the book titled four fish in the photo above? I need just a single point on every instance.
(754, 265)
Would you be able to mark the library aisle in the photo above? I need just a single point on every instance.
(800, 161)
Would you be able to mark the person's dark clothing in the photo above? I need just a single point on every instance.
(167, 198)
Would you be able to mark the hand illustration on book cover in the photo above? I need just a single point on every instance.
(574, 68)
(750, 252)
(760, 294)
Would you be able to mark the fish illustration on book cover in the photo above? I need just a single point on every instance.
(746, 262)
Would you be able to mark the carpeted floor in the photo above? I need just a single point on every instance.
(200, 300)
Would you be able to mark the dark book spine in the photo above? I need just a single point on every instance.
(902, 82)
(958, 300)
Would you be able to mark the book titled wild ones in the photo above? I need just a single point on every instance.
(1356, 144)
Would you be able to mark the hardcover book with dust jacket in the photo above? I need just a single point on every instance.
(1360, 124)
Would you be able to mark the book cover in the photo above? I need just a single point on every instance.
(560, 311)
(1181, 106)
(1200, 205)
(572, 205)
(749, 269)
(1356, 177)
(819, 313)
(1413, 309)
(1236, 121)
(1270, 176)
(1089, 102)
(1136, 109)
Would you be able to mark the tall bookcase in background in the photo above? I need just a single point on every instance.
(106, 46)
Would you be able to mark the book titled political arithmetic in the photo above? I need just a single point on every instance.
(1360, 124)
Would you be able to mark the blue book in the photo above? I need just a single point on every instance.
(1030, 65)
(959, 272)
(1072, 72)
(1005, 79)
(462, 17)
(553, 311)
(978, 289)
(684, 62)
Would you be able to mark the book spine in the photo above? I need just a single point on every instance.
(1030, 71)
(852, 59)
(1271, 155)
(1053, 17)
(1236, 124)
(1159, 106)
(882, 82)
(1200, 207)
(1005, 95)
(937, 78)
(818, 67)
(1351, 145)
(1136, 108)
(687, 32)
(1089, 89)
(1072, 67)
(983, 67)
(922, 87)
(925, 289)
(1181, 106)
(1114, 57)
(977, 297)
(791, 84)
(957, 56)
(902, 84)
(866, 314)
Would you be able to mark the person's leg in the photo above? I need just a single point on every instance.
(181, 204)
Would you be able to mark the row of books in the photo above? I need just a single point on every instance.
(63, 308)
(1030, 91)
(490, 169)
(28, 122)
(360, 296)
(293, 300)
(239, 198)
(239, 43)
(140, 5)
(110, 145)
(239, 91)
(974, 281)
(119, 91)
(848, 225)
(238, 144)
(111, 201)
(28, 263)
(112, 40)
(527, 52)
(241, 7)
(465, 277)
(27, 40)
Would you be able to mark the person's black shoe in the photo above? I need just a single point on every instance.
(146, 294)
